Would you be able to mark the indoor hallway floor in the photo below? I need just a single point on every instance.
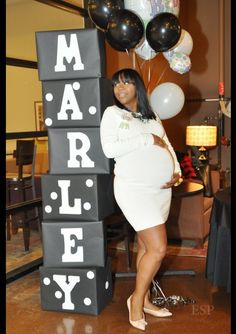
(209, 315)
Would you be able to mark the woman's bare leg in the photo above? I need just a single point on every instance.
(152, 249)
(141, 251)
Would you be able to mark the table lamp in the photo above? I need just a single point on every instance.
(205, 137)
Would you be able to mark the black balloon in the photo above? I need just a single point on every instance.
(100, 10)
(163, 31)
(125, 30)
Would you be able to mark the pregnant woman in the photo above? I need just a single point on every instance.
(146, 168)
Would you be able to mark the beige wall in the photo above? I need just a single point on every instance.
(23, 88)
(24, 18)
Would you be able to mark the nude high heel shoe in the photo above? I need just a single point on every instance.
(162, 313)
(139, 324)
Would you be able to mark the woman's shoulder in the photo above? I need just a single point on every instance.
(113, 110)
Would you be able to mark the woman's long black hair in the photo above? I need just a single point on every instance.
(132, 76)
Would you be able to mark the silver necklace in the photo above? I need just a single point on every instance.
(139, 116)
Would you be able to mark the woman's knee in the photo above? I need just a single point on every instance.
(141, 244)
(159, 251)
(155, 241)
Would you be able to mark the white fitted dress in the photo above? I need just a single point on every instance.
(141, 168)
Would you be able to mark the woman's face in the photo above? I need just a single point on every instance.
(125, 92)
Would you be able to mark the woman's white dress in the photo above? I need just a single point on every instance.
(141, 168)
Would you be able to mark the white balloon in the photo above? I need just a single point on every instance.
(180, 63)
(168, 54)
(184, 44)
(147, 9)
(167, 100)
(142, 8)
(144, 51)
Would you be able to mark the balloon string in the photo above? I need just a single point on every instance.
(132, 57)
(139, 67)
(149, 70)
(149, 76)
(163, 72)
(134, 65)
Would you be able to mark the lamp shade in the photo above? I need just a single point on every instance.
(201, 135)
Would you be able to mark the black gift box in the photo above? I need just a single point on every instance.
(77, 151)
(77, 290)
(68, 54)
(77, 197)
(76, 103)
(73, 244)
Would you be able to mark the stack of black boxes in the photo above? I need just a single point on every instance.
(77, 192)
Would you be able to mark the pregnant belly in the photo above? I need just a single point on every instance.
(152, 166)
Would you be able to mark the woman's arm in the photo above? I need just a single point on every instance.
(113, 146)
(177, 168)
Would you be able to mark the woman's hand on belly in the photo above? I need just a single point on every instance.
(159, 141)
(175, 180)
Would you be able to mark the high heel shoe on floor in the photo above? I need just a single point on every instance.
(139, 324)
(162, 313)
